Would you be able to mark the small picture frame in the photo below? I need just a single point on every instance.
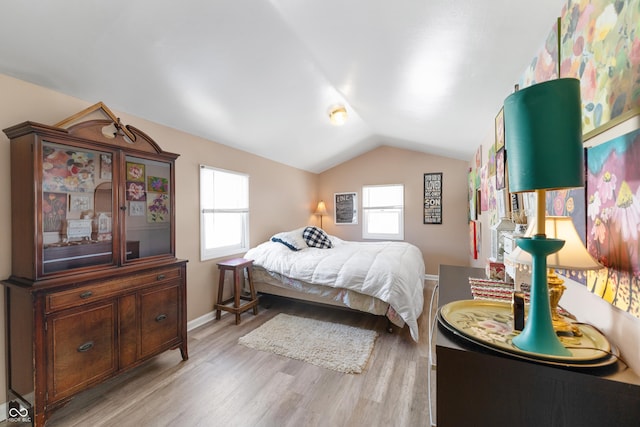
(106, 166)
(501, 204)
(345, 208)
(137, 208)
(135, 172)
(136, 191)
(80, 202)
(516, 202)
(157, 184)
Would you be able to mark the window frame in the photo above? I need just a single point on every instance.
(212, 253)
(368, 209)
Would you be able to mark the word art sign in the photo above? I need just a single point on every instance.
(433, 198)
(346, 208)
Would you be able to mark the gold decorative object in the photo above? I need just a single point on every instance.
(573, 256)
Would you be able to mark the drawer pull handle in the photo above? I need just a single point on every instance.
(161, 276)
(161, 317)
(86, 294)
(85, 347)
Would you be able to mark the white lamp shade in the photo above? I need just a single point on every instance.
(572, 256)
(321, 209)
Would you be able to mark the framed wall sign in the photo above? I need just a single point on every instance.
(433, 198)
(345, 206)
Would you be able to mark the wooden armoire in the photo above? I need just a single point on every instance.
(95, 287)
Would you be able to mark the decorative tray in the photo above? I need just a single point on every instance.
(490, 325)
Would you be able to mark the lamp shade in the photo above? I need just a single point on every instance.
(572, 256)
(543, 136)
(321, 209)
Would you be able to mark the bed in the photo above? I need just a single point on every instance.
(382, 278)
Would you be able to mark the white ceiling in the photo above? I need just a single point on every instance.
(260, 75)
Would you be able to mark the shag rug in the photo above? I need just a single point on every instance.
(329, 345)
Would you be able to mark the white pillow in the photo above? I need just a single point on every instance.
(291, 239)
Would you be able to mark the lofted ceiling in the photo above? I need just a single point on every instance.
(260, 75)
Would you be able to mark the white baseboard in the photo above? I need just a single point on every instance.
(199, 321)
(207, 317)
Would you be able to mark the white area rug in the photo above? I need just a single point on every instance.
(329, 345)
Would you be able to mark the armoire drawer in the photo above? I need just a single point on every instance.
(160, 318)
(96, 290)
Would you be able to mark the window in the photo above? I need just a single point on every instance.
(224, 212)
(383, 212)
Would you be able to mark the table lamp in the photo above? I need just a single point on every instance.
(573, 256)
(543, 137)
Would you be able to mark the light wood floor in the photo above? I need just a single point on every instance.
(226, 384)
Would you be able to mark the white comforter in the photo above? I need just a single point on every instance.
(390, 271)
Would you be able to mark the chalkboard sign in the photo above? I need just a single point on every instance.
(433, 198)
(346, 208)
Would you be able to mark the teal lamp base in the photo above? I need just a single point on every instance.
(538, 335)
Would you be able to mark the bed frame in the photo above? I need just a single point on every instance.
(265, 284)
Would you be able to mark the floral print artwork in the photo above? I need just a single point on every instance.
(158, 207)
(67, 170)
(106, 166)
(135, 172)
(135, 191)
(613, 220)
(54, 211)
(157, 184)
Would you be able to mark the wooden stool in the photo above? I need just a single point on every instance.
(237, 265)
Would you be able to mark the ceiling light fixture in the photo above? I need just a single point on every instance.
(338, 115)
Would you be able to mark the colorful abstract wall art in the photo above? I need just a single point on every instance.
(601, 46)
(613, 220)
(67, 170)
(569, 202)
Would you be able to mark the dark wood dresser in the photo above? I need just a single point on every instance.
(478, 387)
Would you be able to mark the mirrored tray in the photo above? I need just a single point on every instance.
(490, 324)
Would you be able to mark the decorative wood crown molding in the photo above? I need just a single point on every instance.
(95, 107)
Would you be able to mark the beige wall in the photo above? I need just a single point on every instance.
(281, 197)
(440, 244)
